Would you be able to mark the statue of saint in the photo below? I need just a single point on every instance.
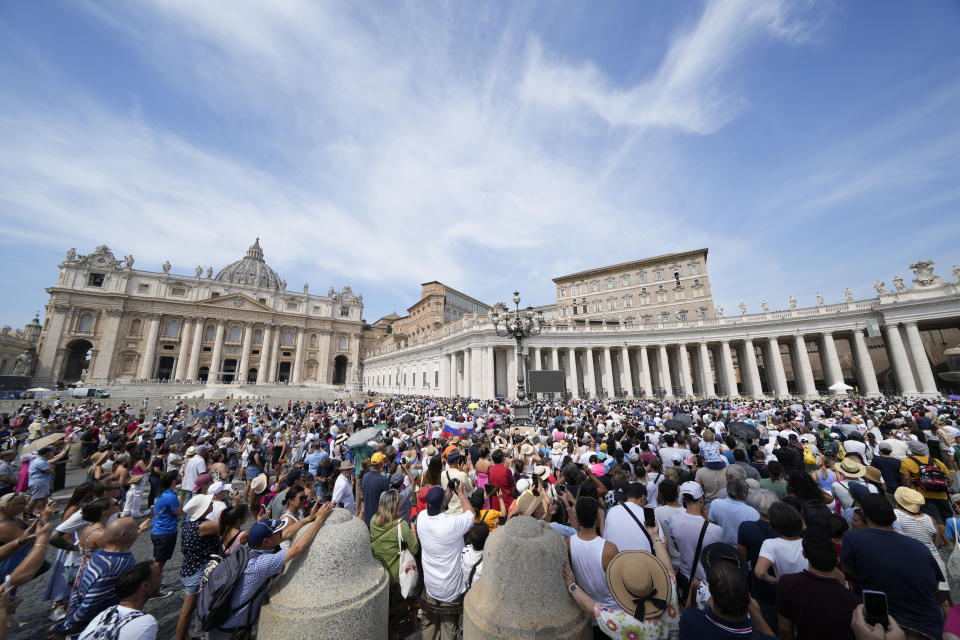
(878, 286)
(166, 267)
(793, 302)
(848, 294)
(198, 271)
(898, 284)
(71, 255)
(719, 313)
(743, 309)
(283, 285)
(766, 307)
(819, 299)
(128, 260)
(306, 287)
(23, 365)
(956, 273)
(209, 272)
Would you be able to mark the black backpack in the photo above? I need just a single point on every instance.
(213, 601)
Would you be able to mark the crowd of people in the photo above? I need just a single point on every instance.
(833, 518)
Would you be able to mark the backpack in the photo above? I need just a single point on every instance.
(930, 477)
(808, 457)
(213, 601)
(110, 624)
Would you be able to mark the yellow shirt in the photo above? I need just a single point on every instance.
(910, 468)
(489, 517)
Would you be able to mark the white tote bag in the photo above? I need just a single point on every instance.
(407, 568)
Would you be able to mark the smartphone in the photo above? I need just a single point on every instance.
(875, 607)
(649, 518)
(561, 489)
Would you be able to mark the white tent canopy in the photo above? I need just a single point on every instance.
(839, 386)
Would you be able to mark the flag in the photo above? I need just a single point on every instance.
(451, 428)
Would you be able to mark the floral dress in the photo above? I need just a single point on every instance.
(619, 624)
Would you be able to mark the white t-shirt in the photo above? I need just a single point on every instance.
(468, 559)
(141, 628)
(786, 555)
(71, 527)
(192, 470)
(441, 543)
(620, 529)
(343, 492)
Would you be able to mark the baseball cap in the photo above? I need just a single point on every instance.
(627, 490)
(263, 529)
(434, 501)
(396, 479)
(377, 458)
(691, 488)
(453, 456)
(722, 552)
(217, 487)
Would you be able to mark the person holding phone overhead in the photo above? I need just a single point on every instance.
(624, 522)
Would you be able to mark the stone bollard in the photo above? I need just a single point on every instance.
(334, 591)
(521, 593)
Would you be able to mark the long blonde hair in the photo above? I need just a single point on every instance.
(388, 509)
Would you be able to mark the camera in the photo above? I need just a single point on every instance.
(453, 484)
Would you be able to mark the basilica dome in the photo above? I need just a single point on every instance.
(251, 270)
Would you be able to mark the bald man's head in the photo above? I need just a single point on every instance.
(122, 532)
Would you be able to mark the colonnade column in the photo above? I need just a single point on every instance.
(298, 356)
(245, 354)
(467, 389)
(512, 364)
(899, 360)
(263, 370)
(665, 380)
(214, 375)
(729, 375)
(490, 378)
(802, 370)
(108, 345)
(536, 360)
(867, 376)
(706, 377)
(626, 380)
(686, 380)
(779, 377)
(590, 384)
(832, 373)
(572, 386)
(146, 367)
(445, 374)
(646, 384)
(274, 355)
(608, 373)
(928, 384)
(555, 359)
(753, 372)
(194, 365)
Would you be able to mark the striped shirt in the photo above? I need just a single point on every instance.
(95, 593)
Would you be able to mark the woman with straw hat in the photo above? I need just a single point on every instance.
(645, 590)
(917, 525)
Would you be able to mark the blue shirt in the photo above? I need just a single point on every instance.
(262, 566)
(164, 520)
(37, 467)
(95, 592)
(313, 461)
(704, 624)
(729, 513)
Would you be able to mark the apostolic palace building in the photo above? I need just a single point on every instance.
(642, 328)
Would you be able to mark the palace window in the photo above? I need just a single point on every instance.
(682, 316)
(563, 312)
(583, 308)
(642, 277)
(173, 328)
(287, 337)
(697, 291)
(679, 294)
(701, 313)
(583, 288)
(627, 301)
(644, 298)
(85, 323)
(609, 283)
(257, 336)
(95, 280)
(291, 304)
(658, 274)
(611, 304)
(661, 296)
(563, 292)
(694, 268)
(676, 273)
(647, 320)
(574, 307)
(342, 343)
(664, 317)
(262, 300)
(208, 335)
(135, 325)
(594, 286)
(344, 312)
(143, 288)
(596, 305)
(625, 281)
(234, 335)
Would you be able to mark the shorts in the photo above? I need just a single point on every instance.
(40, 491)
(164, 544)
(938, 509)
(251, 473)
(191, 584)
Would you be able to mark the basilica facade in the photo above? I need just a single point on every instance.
(107, 322)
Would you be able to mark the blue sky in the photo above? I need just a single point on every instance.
(810, 145)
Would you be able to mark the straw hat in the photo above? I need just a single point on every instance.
(526, 449)
(197, 506)
(346, 465)
(259, 484)
(527, 503)
(639, 583)
(97, 458)
(558, 446)
(873, 474)
(430, 451)
(850, 468)
(909, 499)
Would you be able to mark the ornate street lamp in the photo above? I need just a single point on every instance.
(518, 324)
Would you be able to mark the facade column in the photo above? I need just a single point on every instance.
(453, 373)
(608, 373)
(646, 384)
(183, 354)
(573, 388)
(555, 359)
(928, 383)
(867, 377)
(537, 362)
(150, 353)
(490, 378)
(108, 344)
(729, 374)
(626, 380)
(263, 371)
(665, 381)
(298, 356)
(445, 374)
(512, 364)
(590, 378)
(898, 359)
(833, 371)
(779, 377)
(273, 355)
(215, 364)
(245, 353)
(685, 378)
(467, 363)
(755, 388)
(802, 370)
(706, 376)
(195, 349)
(47, 372)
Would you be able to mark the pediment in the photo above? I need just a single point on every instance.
(235, 301)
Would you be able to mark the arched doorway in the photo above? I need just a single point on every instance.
(340, 370)
(78, 359)
(203, 373)
(252, 375)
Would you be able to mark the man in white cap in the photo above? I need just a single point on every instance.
(691, 531)
(192, 468)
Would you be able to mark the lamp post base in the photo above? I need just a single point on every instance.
(521, 413)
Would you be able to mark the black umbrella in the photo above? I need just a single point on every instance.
(408, 419)
(685, 418)
(674, 425)
(744, 430)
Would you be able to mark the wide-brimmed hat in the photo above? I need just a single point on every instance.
(527, 503)
(430, 451)
(259, 484)
(541, 471)
(526, 449)
(909, 499)
(850, 468)
(346, 465)
(410, 454)
(639, 583)
(98, 457)
(558, 446)
(191, 451)
(340, 438)
(197, 506)
(873, 474)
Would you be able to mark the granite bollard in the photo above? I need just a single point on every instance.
(334, 591)
(521, 593)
